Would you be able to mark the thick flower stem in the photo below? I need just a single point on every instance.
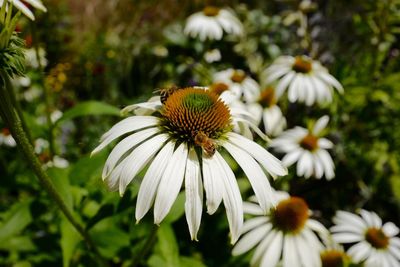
(146, 247)
(11, 118)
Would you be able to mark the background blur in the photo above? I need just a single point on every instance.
(118, 52)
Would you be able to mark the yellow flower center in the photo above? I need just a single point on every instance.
(218, 88)
(377, 238)
(190, 111)
(290, 215)
(334, 258)
(267, 97)
(302, 65)
(211, 11)
(238, 76)
(309, 142)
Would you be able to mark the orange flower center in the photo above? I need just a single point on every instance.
(189, 111)
(267, 97)
(377, 238)
(5, 131)
(333, 258)
(238, 76)
(211, 11)
(302, 65)
(290, 215)
(309, 142)
(218, 88)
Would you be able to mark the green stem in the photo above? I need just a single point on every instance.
(50, 126)
(16, 105)
(146, 247)
(9, 115)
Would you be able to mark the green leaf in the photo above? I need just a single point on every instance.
(86, 168)
(177, 210)
(167, 246)
(16, 219)
(18, 243)
(69, 240)
(89, 108)
(109, 237)
(60, 180)
(191, 262)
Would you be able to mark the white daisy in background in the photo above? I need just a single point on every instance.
(21, 6)
(6, 138)
(286, 234)
(239, 83)
(213, 55)
(305, 79)
(211, 24)
(181, 143)
(307, 149)
(376, 244)
(267, 111)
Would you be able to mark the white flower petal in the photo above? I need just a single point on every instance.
(170, 183)
(250, 240)
(139, 158)
(360, 251)
(258, 180)
(194, 194)
(232, 198)
(271, 164)
(320, 124)
(390, 229)
(123, 127)
(123, 147)
(347, 237)
(290, 257)
(252, 208)
(212, 184)
(254, 222)
(149, 185)
(264, 246)
(273, 252)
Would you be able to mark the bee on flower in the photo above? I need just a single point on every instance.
(180, 138)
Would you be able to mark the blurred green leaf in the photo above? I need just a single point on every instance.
(89, 108)
(18, 243)
(86, 168)
(190, 262)
(109, 237)
(61, 183)
(167, 246)
(16, 219)
(69, 240)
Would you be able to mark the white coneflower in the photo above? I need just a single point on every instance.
(239, 83)
(307, 149)
(267, 111)
(181, 143)
(306, 79)
(24, 9)
(376, 244)
(211, 24)
(6, 138)
(285, 235)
